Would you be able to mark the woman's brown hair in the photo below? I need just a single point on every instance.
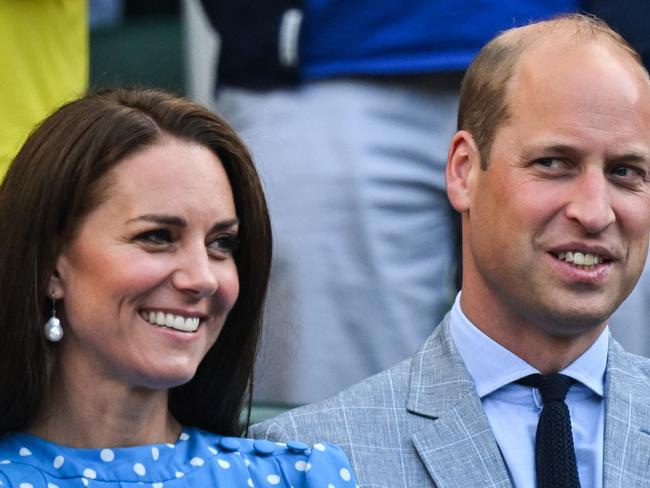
(57, 178)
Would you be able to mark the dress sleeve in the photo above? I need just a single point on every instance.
(328, 468)
(296, 465)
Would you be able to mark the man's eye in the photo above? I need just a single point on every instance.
(625, 171)
(630, 175)
(157, 236)
(551, 163)
(226, 244)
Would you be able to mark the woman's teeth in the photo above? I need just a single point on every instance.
(580, 259)
(172, 321)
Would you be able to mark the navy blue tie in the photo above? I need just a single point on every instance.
(555, 456)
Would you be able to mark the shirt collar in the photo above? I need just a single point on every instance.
(492, 366)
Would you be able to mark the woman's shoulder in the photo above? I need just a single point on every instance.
(198, 458)
(293, 464)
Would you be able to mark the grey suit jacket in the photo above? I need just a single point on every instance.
(421, 423)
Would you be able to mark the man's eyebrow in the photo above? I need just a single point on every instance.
(631, 156)
(556, 148)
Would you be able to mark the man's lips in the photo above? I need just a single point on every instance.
(580, 259)
(582, 255)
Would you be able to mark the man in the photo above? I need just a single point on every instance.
(550, 171)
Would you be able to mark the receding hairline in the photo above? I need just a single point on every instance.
(568, 31)
(487, 87)
(571, 29)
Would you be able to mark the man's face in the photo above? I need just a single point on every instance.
(557, 226)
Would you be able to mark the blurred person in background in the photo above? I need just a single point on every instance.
(44, 53)
(348, 108)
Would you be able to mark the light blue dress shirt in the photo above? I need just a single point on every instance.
(513, 410)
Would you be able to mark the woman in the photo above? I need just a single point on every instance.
(133, 267)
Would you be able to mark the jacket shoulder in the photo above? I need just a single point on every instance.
(336, 418)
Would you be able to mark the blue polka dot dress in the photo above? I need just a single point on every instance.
(197, 459)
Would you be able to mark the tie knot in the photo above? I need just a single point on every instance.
(552, 387)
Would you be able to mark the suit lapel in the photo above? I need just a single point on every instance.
(458, 447)
(627, 421)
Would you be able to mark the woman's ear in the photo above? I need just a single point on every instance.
(463, 163)
(56, 286)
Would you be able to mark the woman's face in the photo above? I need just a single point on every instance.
(149, 279)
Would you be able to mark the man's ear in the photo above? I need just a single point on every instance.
(463, 163)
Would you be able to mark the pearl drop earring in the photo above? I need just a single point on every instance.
(52, 328)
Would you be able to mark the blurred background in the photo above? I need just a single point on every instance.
(71, 45)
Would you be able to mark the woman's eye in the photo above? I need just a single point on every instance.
(225, 244)
(157, 237)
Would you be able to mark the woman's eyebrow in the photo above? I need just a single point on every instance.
(225, 224)
(176, 221)
(160, 219)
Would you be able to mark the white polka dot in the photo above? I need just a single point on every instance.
(273, 479)
(26, 485)
(184, 436)
(107, 455)
(213, 450)
(84, 481)
(171, 446)
(223, 463)
(331, 486)
(179, 474)
(89, 473)
(24, 452)
(247, 462)
(250, 482)
(345, 474)
(155, 453)
(139, 469)
(301, 465)
(197, 461)
(52, 485)
(5, 461)
(157, 485)
(58, 462)
(319, 446)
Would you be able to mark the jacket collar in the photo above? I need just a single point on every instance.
(627, 419)
(458, 448)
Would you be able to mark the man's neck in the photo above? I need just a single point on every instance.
(546, 352)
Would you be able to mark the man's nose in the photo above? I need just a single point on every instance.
(590, 202)
(196, 273)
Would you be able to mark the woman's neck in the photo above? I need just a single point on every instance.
(105, 414)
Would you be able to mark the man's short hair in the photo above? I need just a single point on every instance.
(483, 105)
